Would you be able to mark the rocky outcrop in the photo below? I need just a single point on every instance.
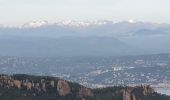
(44, 87)
(29, 85)
(17, 83)
(35, 86)
(126, 95)
(8, 81)
(147, 90)
(85, 92)
(52, 83)
(63, 88)
(129, 94)
(133, 97)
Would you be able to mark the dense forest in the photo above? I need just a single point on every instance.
(26, 87)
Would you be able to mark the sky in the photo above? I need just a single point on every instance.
(18, 12)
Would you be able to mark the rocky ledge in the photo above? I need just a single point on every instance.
(25, 87)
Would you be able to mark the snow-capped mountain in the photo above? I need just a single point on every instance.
(72, 23)
(69, 23)
(35, 24)
(79, 23)
(88, 28)
(75, 23)
(79, 33)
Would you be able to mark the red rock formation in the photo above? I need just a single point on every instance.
(126, 95)
(133, 97)
(29, 86)
(84, 92)
(147, 90)
(17, 83)
(63, 88)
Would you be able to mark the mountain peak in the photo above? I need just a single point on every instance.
(131, 21)
(35, 24)
(77, 23)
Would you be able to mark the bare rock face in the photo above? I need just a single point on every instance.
(52, 83)
(44, 87)
(147, 90)
(63, 88)
(11, 84)
(133, 97)
(24, 84)
(37, 87)
(17, 83)
(29, 86)
(126, 95)
(85, 92)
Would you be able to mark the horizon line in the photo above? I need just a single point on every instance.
(75, 20)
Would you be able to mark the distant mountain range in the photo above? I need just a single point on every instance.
(79, 38)
(82, 28)
(65, 46)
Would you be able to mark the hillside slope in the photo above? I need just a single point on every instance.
(64, 46)
(24, 87)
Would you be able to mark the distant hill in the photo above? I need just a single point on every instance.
(76, 28)
(74, 38)
(25, 87)
(64, 46)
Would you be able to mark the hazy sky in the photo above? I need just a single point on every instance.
(17, 12)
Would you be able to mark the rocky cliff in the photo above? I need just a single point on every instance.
(24, 87)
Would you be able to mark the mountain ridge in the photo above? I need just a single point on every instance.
(81, 28)
(144, 37)
(26, 87)
(65, 46)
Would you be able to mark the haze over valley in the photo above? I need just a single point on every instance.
(84, 50)
(78, 38)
